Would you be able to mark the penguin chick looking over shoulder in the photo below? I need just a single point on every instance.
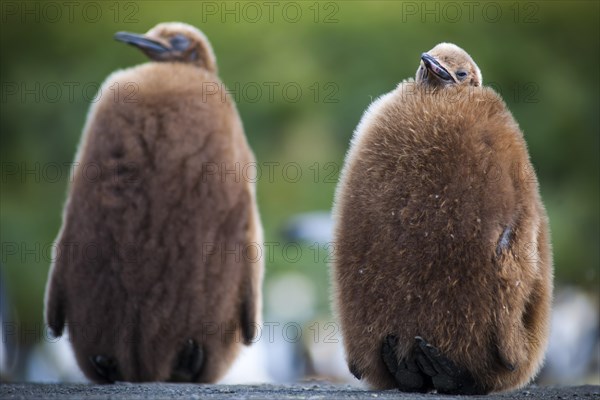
(174, 42)
(443, 269)
(448, 64)
(162, 295)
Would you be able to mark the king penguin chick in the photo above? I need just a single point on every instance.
(443, 271)
(157, 271)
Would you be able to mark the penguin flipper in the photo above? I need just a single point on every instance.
(248, 316)
(447, 377)
(188, 364)
(406, 372)
(251, 286)
(511, 340)
(55, 304)
(510, 331)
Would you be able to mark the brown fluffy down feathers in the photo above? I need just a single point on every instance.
(143, 263)
(432, 179)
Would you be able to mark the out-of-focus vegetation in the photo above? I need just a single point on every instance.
(542, 56)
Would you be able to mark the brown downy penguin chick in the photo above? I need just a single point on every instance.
(443, 269)
(157, 273)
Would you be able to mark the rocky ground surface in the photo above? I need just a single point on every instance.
(316, 390)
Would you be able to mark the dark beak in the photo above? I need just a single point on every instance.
(142, 42)
(436, 68)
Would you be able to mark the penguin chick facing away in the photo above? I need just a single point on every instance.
(156, 271)
(443, 271)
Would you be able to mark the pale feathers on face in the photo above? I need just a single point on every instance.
(448, 64)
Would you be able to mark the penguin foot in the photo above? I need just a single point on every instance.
(406, 372)
(188, 363)
(106, 368)
(445, 375)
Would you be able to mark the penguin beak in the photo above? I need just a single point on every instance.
(142, 42)
(432, 65)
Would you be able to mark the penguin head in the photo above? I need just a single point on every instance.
(173, 41)
(448, 64)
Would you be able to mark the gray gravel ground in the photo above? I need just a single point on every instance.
(316, 390)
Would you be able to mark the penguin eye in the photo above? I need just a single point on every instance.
(461, 74)
(179, 42)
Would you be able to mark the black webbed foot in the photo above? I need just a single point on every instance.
(188, 363)
(446, 376)
(406, 372)
(106, 368)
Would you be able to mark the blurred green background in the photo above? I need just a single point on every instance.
(542, 56)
